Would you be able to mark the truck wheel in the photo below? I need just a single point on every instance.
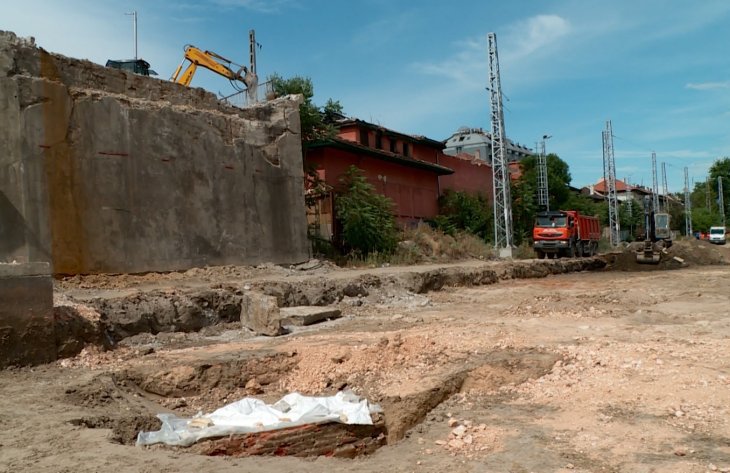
(571, 251)
(540, 254)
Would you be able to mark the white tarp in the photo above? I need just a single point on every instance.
(253, 415)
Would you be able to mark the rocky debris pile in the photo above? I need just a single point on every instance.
(553, 306)
(468, 439)
(392, 360)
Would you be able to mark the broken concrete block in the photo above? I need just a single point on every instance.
(308, 315)
(260, 313)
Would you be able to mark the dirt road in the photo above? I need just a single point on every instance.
(586, 372)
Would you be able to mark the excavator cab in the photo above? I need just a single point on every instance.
(657, 235)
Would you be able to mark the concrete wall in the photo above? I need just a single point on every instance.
(27, 334)
(104, 171)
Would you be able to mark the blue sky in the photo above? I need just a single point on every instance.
(659, 69)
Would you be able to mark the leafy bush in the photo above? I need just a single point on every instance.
(366, 217)
(460, 210)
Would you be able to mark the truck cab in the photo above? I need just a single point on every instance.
(565, 233)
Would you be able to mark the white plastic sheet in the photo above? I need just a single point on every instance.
(253, 415)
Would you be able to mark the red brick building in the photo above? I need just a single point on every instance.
(412, 171)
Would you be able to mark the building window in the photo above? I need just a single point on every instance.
(459, 149)
(406, 149)
(379, 140)
(364, 139)
(393, 145)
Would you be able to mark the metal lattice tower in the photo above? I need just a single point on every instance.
(708, 199)
(687, 205)
(543, 196)
(720, 200)
(665, 186)
(654, 185)
(500, 168)
(609, 178)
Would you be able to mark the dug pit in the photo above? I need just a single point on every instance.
(186, 387)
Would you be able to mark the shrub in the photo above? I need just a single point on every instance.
(366, 217)
(463, 211)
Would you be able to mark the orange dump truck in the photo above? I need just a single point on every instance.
(565, 233)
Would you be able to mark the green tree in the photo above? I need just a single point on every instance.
(703, 219)
(460, 210)
(675, 209)
(316, 122)
(631, 217)
(721, 169)
(524, 193)
(366, 217)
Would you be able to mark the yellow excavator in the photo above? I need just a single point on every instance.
(214, 62)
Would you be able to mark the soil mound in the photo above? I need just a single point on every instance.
(681, 254)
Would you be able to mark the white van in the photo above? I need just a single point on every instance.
(717, 235)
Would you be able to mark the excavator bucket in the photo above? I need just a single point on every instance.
(648, 255)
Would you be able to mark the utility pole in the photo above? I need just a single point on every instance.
(687, 205)
(655, 185)
(629, 206)
(609, 178)
(720, 199)
(134, 22)
(543, 196)
(500, 167)
(708, 199)
(665, 187)
(252, 79)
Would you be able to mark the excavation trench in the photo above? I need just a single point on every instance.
(193, 387)
(107, 316)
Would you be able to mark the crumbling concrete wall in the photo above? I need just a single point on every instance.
(105, 171)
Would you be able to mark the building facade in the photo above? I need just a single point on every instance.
(412, 171)
(478, 143)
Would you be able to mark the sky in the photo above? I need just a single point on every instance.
(658, 69)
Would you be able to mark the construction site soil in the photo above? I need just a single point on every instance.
(589, 365)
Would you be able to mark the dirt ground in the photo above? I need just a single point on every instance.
(609, 371)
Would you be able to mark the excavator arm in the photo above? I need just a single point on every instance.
(208, 60)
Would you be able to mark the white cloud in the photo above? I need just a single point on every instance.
(468, 67)
(523, 41)
(535, 34)
(708, 85)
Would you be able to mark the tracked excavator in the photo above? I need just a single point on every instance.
(657, 235)
(216, 63)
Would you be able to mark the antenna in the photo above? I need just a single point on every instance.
(687, 205)
(609, 178)
(500, 167)
(134, 23)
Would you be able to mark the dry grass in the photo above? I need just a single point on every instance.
(425, 244)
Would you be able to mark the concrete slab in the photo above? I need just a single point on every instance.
(307, 315)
